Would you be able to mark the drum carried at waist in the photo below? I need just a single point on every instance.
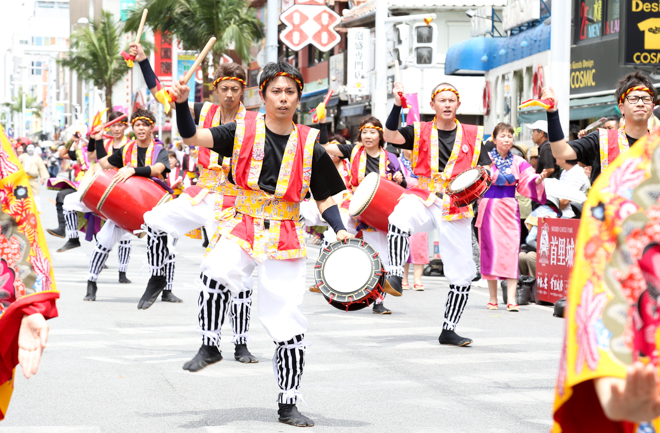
(349, 274)
(374, 200)
(469, 186)
(125, 203)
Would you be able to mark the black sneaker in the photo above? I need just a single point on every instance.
(59, 232)
(69, 245)
(453, 339)
(123, 279)
(289, 415)
(380, 309)
(393, 285)
(155, 285)
(91, 291)
(242, 354)
(206, 356)
(477, 277)
(168, 296)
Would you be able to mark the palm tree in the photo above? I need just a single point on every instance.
(31, 103)
(194, 22)
(94, 55)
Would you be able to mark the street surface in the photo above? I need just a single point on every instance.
(109, 367)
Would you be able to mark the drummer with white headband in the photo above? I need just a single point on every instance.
(442, 149)
(368, 156)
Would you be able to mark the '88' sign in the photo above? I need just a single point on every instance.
(306, 24)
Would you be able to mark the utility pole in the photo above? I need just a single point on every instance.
(271, 31)
(560, 59)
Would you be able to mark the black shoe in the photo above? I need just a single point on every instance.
(59, 232)
(242, 354)
(105, 267)
(477, 277)
(205, 237)
(206, 356)
(380, 309)
(155, 285)
(289, 415)
(69, 245)
(91, 291)
(452, 338)
(168, 296)
(123, 279)
(393, 285)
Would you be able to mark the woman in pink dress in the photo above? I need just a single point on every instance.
(498, 220)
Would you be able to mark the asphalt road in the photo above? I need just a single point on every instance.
(109, 367)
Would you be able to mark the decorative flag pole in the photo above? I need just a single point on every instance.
(319, 111)
(127, 57)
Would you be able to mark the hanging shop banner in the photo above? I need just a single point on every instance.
(639, 39)
(163, 58)
(184, 63)
(357, 80)
(554, 257)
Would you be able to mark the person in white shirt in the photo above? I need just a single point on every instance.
(574, 175)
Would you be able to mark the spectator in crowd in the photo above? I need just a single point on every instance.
(524, 203)
(546, 161)
(498, 218)
(419, 242)
(20, 150)
(35, 169)
(573, 131)
(53, 162)
(527, 255)
(533, 156)
(575, 176)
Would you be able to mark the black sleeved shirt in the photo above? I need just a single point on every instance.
(372, 165)
(587, 149)
(446, 141)
(547, 160)
(325, 181)
(117, 160)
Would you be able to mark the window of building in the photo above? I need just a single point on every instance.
(612, 17)
(595, 19)
(36, 68)
(316, 56)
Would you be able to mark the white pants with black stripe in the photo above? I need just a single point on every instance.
(411, 216)
(281, 285)
(71, 206)
(174, 219)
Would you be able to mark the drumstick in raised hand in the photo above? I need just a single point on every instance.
(127, 57)
(397, 77)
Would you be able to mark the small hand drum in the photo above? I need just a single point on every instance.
(350, 274)
(469, 186)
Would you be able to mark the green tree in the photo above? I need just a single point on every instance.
(194, 22)
(31, 103)
(95, 55)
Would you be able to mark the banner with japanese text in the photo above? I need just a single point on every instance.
(163, 58)
(555, 255)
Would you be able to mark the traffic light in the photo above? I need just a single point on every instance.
(424, 44)
(402, 43)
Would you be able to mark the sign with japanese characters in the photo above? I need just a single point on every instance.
(163, 58)
(555, 254)
(357, 80)
(309, 24)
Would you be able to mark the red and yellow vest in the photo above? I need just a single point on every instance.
(284, 238)
(213, 175)
(612, 143)
(359, 165)
(109, 149)
(130, 154)
(425, 160)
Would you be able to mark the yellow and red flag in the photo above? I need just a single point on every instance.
(546, 104)
(98, 118)
(163, 96)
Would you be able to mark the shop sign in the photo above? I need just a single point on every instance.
(640, 35)
(310, 24)
(357, 81)
(555, 257)
(592, 68)
(337, 72)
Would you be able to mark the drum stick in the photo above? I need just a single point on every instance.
(397, 77)
(199, 59)
(596, 124)
(141, 28)
(315, 118)
(112, 122)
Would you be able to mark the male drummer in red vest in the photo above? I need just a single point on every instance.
(276, 163)
(141, 157)
(197, 207)
(636, 96)
(442, 149)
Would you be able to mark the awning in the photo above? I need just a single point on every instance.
(354, 110)
(477, 55)
(581, 108)
(314, 93)
(333, 101)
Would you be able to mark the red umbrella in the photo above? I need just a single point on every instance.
(24, 140)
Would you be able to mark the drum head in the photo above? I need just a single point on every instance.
(349, 274)
(363, 194)
(464, 180)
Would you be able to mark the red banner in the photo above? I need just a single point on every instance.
(555, 246)
(163, 57)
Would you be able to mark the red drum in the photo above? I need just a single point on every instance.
(469, 186)
(125, 203)
(90, 194)
(374, 200)
(350, 274)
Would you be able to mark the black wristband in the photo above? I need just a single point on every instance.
(394, 119)
(333, 218)
(323, 135)
(100, 149)
(185, 121)
(142, 171)
(148, 74)
(555, 133)
(91, 145)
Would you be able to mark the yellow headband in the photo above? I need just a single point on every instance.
(215, 83)
(642, 88)
(445, 89)
(283, 74)
(378, 128)
(141, 118)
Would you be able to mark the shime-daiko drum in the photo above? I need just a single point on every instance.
(469, 186)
